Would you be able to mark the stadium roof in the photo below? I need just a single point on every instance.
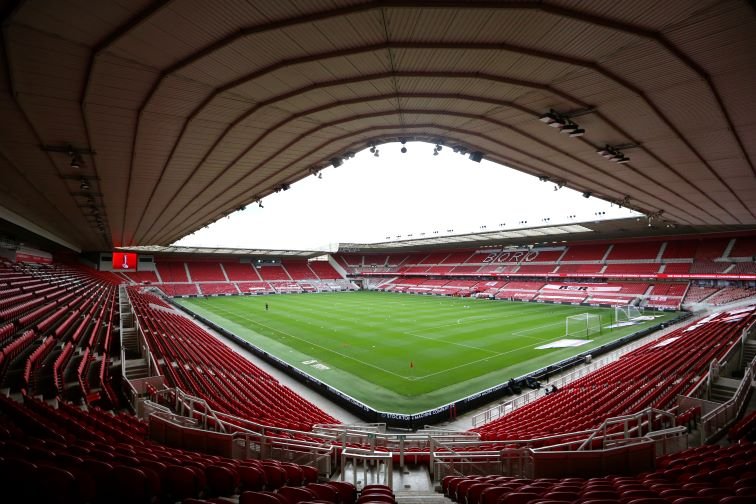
(137, 122)
(543, 236)
(159, 249)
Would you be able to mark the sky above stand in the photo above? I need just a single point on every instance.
(372, 199)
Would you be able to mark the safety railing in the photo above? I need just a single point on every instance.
(318, 454)
(713, 422)
(379, 465)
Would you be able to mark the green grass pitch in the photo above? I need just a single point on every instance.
(404, 353)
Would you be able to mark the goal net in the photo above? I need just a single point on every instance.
(624, 314)
(583, 324)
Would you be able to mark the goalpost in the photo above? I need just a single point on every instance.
(626, 313)
(582, 324)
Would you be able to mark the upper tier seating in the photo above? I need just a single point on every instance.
(205, 271)
(677, 268)
(744, 247)
(456, 258)
(680, 249)
(711, 249)
(634, 251)
(585, 253)
(171, 272)
(428, 259)
(324, 270)
(374, 259)
(240, 271)
(480, 257)
(652, 375)
(198, 363)
(142, 277)
(299, 270)
(273, 272)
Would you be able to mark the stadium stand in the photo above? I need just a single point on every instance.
(696, 294)
(707, 474)
(141, 276)
(652, 375)
(205, 271)
(631, 252)
(324, 270)
(240, 271)
(194, 360)
(198, 363)
(730, 294)
(273, 272)
(299, 270)
(172, 272)
(215, 288)
(585, 253)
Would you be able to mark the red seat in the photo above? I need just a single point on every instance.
(180, 482)
(129, 485)
(221, 480)
(737, 499)
(261, 498)
(324, 492)
(59, 485)
(295, 495)
(251, 478)
(519, 498)
(347, 491)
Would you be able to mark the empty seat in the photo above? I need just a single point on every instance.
(221, 480)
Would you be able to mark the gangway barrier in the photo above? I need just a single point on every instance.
(381, 463)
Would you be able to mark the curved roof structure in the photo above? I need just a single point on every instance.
(137, 122)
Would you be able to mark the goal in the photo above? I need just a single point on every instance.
(624, 314)
(583, 324)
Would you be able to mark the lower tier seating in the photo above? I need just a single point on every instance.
(709, 474)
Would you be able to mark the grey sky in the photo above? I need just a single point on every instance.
(368, 199)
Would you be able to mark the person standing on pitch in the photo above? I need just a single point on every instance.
(266, 306)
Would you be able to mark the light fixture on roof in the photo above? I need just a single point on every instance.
(76, 162)
(259, 203)
(564, 122)
(404, 147)
(613, 153)
(84, 185)
(476, 156)
(552, 118)
(336, 162)
(587, 194)
(572, 129)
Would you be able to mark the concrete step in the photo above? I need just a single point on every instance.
(421, 498)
